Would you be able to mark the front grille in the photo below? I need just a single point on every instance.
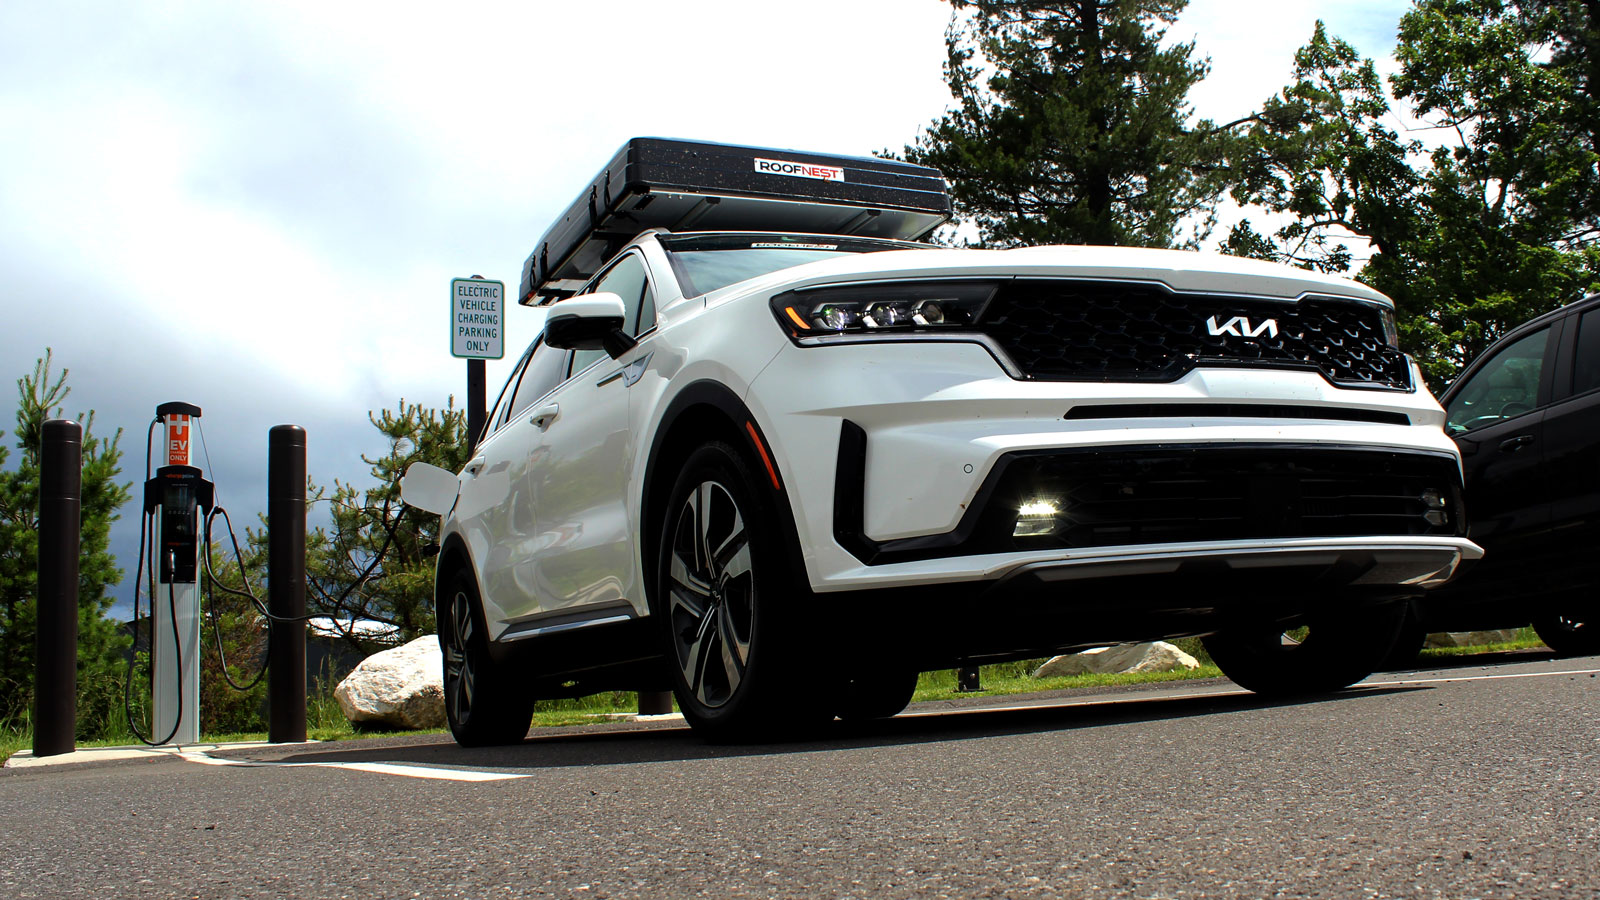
(1145, 495)
(1111, 331)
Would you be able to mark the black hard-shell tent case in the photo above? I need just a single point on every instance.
(693, 185)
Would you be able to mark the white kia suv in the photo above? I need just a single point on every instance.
(771, 455)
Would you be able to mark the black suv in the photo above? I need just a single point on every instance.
(1526, 415)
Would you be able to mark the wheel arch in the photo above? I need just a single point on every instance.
(453, 556)
(707, 410)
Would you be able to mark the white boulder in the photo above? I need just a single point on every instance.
(402, 687)
(1159, 656)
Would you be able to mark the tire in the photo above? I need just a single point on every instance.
(876, 694)
(481, 702)
(732, 613)
(1568, 634)
(1407, 645)
(1326, 654)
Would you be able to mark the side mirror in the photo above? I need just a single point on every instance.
(429, 488)
(588, 322)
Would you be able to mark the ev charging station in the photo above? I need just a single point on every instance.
(174, 530)
(177, 496)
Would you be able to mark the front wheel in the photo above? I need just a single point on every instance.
(481, 703)
(734, 615)
(1408, 643)
(1568, 634)
(1328, 652)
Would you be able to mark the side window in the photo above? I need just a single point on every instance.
(1586, 370)
(627, 280)
(1504, 387)
(646, 319)
(502, 404)
(545, 371)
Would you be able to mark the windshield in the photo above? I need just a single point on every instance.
(704, 263)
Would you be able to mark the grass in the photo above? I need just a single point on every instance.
(996, 681)
(326, 722)
(1017, 677)
(1526, 639)
(585, 710)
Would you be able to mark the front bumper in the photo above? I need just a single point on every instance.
(1117, 595)
(1340, 562)
(1399, 562)
(934, 423)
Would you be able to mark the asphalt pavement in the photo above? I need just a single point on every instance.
(1476, 780)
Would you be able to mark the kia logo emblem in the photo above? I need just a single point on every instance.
(1239, 326)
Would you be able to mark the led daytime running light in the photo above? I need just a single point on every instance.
(880, 308)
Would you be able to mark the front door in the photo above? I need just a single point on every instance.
(1497, 419)
(496, 507)
(584, 555)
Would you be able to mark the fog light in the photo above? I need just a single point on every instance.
(1035, 518)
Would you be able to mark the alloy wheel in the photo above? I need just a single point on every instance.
(711, 594)
(460, 674)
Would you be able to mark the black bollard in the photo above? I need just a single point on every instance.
(477, 403)
(968, 680)
(55, 713)
(286, 583)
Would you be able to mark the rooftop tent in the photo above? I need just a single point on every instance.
(697, 186)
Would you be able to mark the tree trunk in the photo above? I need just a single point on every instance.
(1097, 177)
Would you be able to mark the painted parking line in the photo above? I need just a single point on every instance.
(1486, 677)
(431, 772)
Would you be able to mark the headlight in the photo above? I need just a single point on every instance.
(880, 308)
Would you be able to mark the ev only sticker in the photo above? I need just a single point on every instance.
(799, 169)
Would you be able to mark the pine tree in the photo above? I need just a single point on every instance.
(1071, 124)
(374, 562)
(101, 641)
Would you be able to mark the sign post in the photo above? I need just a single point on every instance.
(477, 333)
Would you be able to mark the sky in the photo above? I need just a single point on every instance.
(258, 208)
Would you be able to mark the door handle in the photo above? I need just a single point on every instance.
(1512, 445)
(476, 466)
(545, 414)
